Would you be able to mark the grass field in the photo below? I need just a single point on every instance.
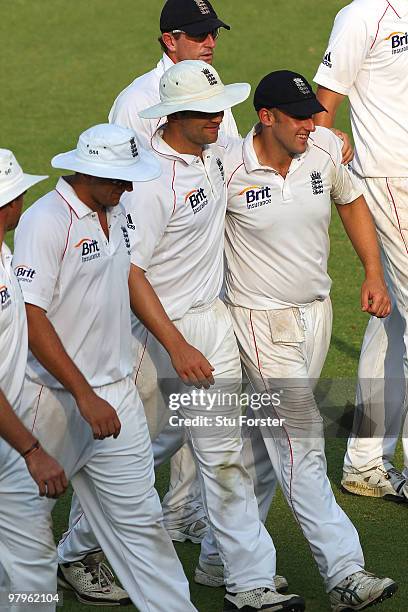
(62, 65)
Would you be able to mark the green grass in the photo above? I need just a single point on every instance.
(62, 65)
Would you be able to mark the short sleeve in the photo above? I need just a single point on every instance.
(124, 112)
(39, 243)
(347, 50)
(149, 209)
(346, 186)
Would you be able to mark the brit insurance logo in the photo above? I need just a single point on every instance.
(24, 273)
(399, 42)
(316, 182)
(5, 297)
(197, 200)
(89, 249)
(257, 196)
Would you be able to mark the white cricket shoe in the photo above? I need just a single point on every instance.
(194, 532)
(361, 590)
(262, 599)
(92, 581)
(383, 481)
(213, 576)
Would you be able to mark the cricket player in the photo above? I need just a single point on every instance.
(72, 257)
(189, 30)
(367, 60)
(27, 550)
(281, 180)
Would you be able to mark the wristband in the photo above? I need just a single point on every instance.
(31, 450)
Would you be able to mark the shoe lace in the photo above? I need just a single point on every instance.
(101, 575)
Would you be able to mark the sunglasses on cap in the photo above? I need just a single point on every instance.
(199, 37)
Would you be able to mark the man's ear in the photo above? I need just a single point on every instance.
(169, 41)
(266, 116)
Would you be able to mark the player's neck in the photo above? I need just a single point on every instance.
(271, 153)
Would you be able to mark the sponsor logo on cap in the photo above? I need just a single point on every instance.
(197, 200)
(24, 273)
(133, 147)
(302, 86)
(210, 76)
(89, 249)
(326, 61)
(256, 196)
(399, 42)
(203, 7)
(5, 298)
(316, 182)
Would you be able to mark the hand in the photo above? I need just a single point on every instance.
(100, 415)
(347, 148)
(375, 298)
(47, 473)
(192, 367)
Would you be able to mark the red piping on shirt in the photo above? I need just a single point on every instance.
(36, 408)
(317, 146)
(71, 210)
(141, 358)
(396, 214)
(237, 168)
(378, 25)
(172, 186)
(389, 4)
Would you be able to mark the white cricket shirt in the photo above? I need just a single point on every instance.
(367, 60)
(277, 241)
(178, 227)
(142, 93)
(13, 332)
(67, 266)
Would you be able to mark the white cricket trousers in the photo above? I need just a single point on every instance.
(183, 504)
(283, 353)
(244, 545)
(28, 560)
(383, 369)
(114, 481)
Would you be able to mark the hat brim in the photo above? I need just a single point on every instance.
(201, 27)
(27, 181)
(231, 96)
(303, 108)
(147, 167)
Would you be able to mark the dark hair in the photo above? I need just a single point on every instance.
(163, 46)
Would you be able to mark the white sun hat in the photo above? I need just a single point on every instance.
(109, 151)
(13, 181)
(193, 85)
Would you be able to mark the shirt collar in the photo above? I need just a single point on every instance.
(164, 63)
(67, 193)
(401, 6)
(5, 253)
(250, 158)
(162, 148)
